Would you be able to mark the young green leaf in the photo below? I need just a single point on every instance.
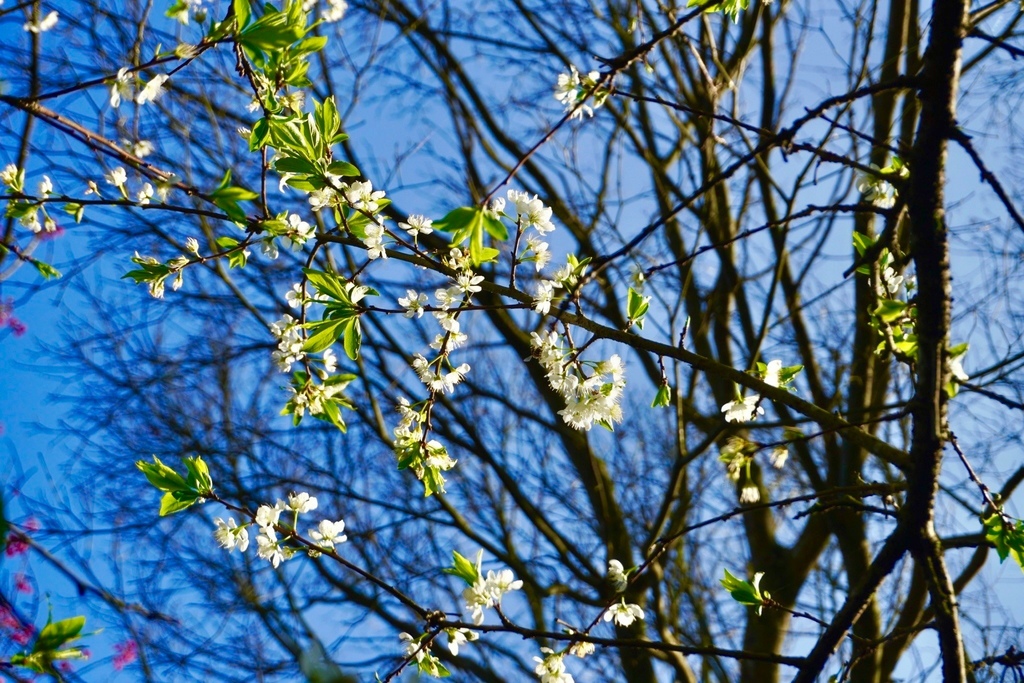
(161, 476)
(745, 592)
(1007, 537)
(890, 310)
(462, 568)
(636, 308)
(664, 396)
(58, 633)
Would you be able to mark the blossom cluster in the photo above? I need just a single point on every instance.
(326, 535)
(573, 90)
(28, 212)
(488, 591)
(551, 668)
(745, 409)
(589, 398)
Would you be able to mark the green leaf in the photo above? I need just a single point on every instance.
(1008, 539)
(325, 333)
(76, 210)
(861, 243)
(745, 592)
(273, 31)
(663, 398)
(46, 270)
(730, 7)
(58, 633)
(242, 12)
(260, 135)
(495, 227)
(294, 165)
(343, 168)
(329, 284)
(161, 476)
(459, 220)
(636, 308)
(199, 475)
(176, 502)
(353, 338)
(462, 568)
(227, 196)
(890, 310)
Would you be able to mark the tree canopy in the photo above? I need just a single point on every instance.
(551, 341)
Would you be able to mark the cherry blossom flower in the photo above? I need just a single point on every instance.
(301, 502)
(617, 575)
(121, 86)
(417, 225)
(458, 637)
(118, 177)
(624, 615)
(743, 410)
(551, 669)
(230, 536)
(329, 533)
(413, 303)
(152, 90)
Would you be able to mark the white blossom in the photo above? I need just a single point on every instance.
(551, 668)
(957, 369)
(541, 255)
(617, 575)
(118, 177)
(145, 194)
(121, 86)
(43, 25)
(296, 295)
(572, 89)
(330, 360)
(268, 548)
(488, 592)
(531, 212)
(335, 11)
(152, 90)
(743, 410)
(413, 303)
(468, 283)
(361, 196)
(458, 637)
(778, 456)
(229, 535)
(328, 533)
(10, 175)
(749, 494)
(299, 232)
(891, 280)
(301, 502)
(542, 299)
(267, 516)
(624, 615)
(417, 225)
(374, 241)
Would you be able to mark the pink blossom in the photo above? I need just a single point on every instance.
(24, 634)
(21, 583)
(15, 546)
(125, 654)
